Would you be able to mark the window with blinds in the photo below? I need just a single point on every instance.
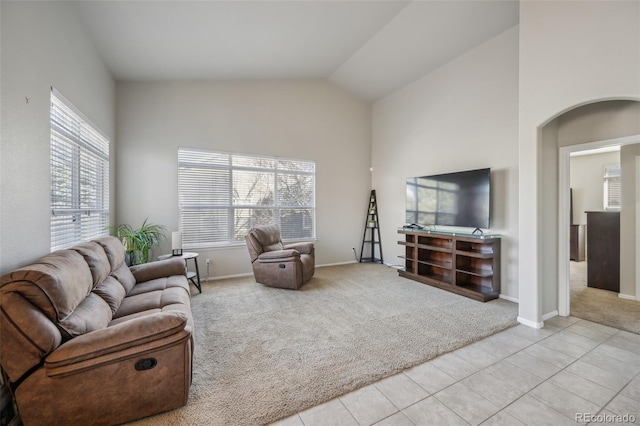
(79, 177)
(612, 187)
(223, 195)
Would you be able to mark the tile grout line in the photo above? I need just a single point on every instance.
(391, 415)
(527, 392)
(543, 381)
(621, 390)
(568, 365)
(480, 369)
(398, 409)
(347, 408)
(558, 372)
(496, 378)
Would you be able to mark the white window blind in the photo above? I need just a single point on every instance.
(223, 195)
(79, 177)
(612, 187)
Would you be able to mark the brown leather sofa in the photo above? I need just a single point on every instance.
(278, 265)
(88, 340)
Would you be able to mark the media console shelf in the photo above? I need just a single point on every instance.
(465, 264)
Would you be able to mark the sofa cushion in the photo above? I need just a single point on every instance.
(55, 283)
(161, 284)
(125, 277)
(169, 308)
(93, 313)
(153, 301)
(112, 292)
(158, 295)
(114, 250)
(96, 258)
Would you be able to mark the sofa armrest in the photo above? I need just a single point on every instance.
(278, 256)
(160, 269)
(117, 341)
(302, 248)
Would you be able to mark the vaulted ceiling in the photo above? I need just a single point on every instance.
(369, 47)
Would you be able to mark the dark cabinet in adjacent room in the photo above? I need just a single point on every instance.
(576, 243)
(603, 250)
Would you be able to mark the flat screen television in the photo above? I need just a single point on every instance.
(460, 199)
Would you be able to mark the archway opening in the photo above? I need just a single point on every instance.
(598, 124)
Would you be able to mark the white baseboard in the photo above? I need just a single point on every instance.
(223, 277)
(337, 264)
(534, 324)
(627, 296)
(509, 298)
(531, 324)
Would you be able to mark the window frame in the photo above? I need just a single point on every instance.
(79, 176)
(608, 187)
(231, 207)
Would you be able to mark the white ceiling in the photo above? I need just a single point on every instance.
(370, 47)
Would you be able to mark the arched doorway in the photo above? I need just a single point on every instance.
(603, 123)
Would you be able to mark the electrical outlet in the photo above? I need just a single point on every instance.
(208, 261)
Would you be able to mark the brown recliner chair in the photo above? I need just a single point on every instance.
(277, 265)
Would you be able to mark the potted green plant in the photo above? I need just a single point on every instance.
(138, 243)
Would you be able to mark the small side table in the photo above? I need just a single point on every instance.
(191, 276)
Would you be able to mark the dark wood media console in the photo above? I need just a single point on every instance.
(463, 264)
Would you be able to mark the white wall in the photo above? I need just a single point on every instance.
(586, 177)
(548, 181)
(628, 229)
(307, 119)
(43, 45)
(462, 116)
(571, 54)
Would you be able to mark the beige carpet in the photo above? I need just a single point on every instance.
(601, 306)
(263, 353)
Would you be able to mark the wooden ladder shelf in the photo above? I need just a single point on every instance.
(372, 228)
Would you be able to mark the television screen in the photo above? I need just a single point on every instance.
(451, 199)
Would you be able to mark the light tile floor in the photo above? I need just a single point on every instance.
(559, 375)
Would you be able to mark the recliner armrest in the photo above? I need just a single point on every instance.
(278, 256)
(160, 269)
(121, 340)
(302, 248)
